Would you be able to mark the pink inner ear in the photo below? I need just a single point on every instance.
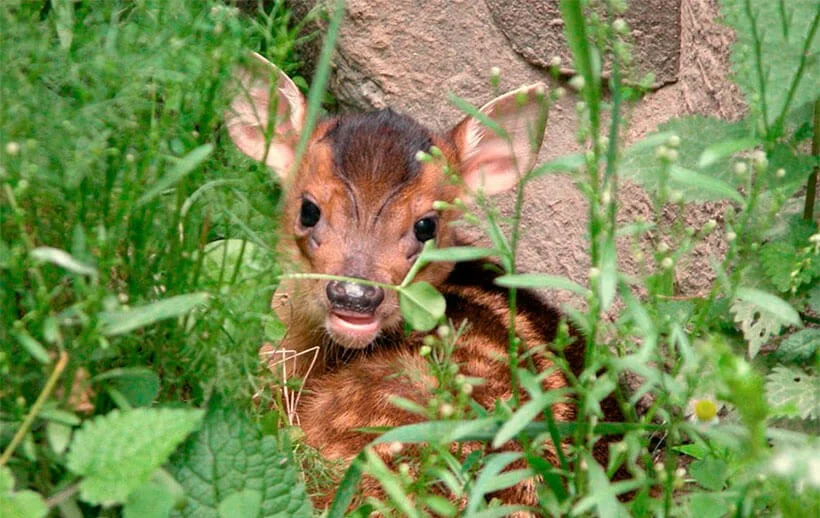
(489, 165)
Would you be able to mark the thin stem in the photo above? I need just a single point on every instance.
(761, 78)
(35, 408)
(811, 187)
(799, 74)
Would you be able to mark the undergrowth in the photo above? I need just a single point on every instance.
(137, 264)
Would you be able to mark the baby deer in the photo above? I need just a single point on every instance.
(359, 204)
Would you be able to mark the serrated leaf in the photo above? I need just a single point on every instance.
(793, 392)
(539, 280)
(782, 35)
(118, 452)
(62, 259)
(777, 258)
(421, 305)
(229, 455)
(799, 347)
(121, 322)
(757, 325)
(710, 473)
(771, 303)
(182, 167)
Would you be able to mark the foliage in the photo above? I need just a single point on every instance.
(137, 264)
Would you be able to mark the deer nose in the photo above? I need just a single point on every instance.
(351, 296)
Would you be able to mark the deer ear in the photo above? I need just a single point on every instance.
(492, 161)
(266, 93)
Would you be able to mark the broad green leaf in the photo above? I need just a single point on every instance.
(778, 39)
(708, 505)
(58, 436)
(151, 500)
(19, 504)
(608, 280)
(695, 132)
(771, 303)
(139, 385)
(242, 504)
(539, 280)
(457, 254)
(421, 305)
(121, 322)
(793, 392)
(724, 149)
(799, 347)
(118, 452)
(181, 169)
(32, 346)
(62, 259)
(701, 187)
(710, 473)
(229, 455)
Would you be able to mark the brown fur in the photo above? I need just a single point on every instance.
(361, 171)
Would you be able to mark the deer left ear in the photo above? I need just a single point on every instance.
(493, 162)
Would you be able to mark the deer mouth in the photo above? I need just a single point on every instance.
(356, 329)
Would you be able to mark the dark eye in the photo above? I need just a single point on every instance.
(425, 229)
(309, 214)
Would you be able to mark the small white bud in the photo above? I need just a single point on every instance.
(12, 148)
(780, 173)
(577, 83)
(620, 25)
(667, 263)
(740, 169)
(594, 272)
(663, 247)
(731, 236)
(495, 72)
(395, 447)
(446, 410)
(560, 92)
(555, 61)
(673, 141)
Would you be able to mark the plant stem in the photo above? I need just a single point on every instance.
(811, 187)
(35, 408)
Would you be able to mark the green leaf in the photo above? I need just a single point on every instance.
(701, 187)
(539, 280)
(32, 346)
(708, 505)
(456, 254)
(608, 280)
(58, 436)
(493, 466)
(181, 169)
(799, 347)
(710, 473)
(20, 504)
(151, 500)
(421, 305)
(793, 392)
(121, 322)
(526, 414)
(695, 133)
(724, 149)
(242, 504)
(771, 303)
(62, 259)
(229, 455)
(771, 40)
(814, 298)
(118, 452)
(139, 385)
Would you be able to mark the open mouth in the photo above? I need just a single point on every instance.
(357, 326)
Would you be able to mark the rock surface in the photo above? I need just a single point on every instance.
(409, 55)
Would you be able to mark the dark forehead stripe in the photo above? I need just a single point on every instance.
(379, 146)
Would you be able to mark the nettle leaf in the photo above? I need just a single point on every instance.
(228, 462)
(421, 305)
(118, 452)
(778, 263)
(695, 133)
(710, 473)
(784, 36)
(761, 315)
(799, 347)
(793, 392)
(19, 504)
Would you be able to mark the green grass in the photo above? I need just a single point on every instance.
(137, 263)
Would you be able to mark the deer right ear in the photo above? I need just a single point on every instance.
(266, 93)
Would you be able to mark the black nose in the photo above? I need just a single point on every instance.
(355, 297)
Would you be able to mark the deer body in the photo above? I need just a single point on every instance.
(360, 204)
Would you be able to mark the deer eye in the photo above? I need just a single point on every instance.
(309, 214)
(425, 228)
